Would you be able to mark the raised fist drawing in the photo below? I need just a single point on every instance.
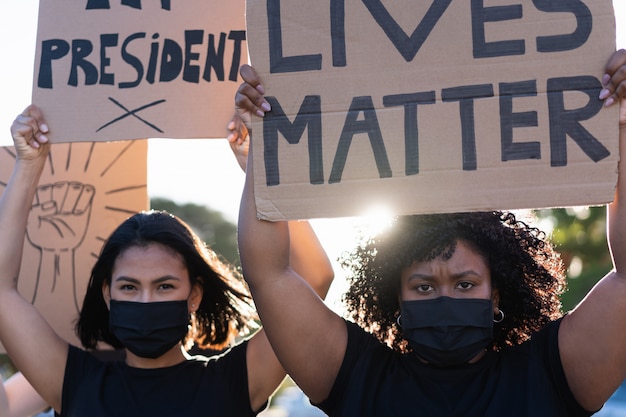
(57, 225)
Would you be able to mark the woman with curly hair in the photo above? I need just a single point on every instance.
(527, 275)
(154, 288)
(451, 314)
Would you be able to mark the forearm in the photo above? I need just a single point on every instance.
(616, 213)
(263, 245)
(15, 204)
(303, 331)
(308, 258)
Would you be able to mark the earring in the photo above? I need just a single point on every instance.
(398, 320)
(498, 319)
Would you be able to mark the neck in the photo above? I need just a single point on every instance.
(170, 358)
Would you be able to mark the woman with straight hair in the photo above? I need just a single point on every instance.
(154, 289)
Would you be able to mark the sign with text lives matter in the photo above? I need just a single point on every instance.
(131, 69)
(437, 106)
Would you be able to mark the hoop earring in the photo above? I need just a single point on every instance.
(398, 320)
(500, 318)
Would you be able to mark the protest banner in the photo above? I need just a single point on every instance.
(436, 106)
(132, 69)
(86, 190)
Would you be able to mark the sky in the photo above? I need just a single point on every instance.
(196, 170)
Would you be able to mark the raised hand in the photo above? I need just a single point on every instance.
(29, 134)
(614, 83)
(239, 140)
(249, 98)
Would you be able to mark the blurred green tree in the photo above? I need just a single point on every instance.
(579, 234)
(214, 229)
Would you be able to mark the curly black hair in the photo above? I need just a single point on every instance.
(226, 309)
(525, 269)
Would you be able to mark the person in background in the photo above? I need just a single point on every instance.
(453, 314)
(19, 399)
(154, 288)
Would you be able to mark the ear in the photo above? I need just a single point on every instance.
(495, 297)
(193, 302)
(106, 294)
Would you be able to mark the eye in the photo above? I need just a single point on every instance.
(166, 286)
(424, 288)
(127, 287)
(465, 285)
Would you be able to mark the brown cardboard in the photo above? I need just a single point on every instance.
(98, 73)
(89, 188)
(445, 168)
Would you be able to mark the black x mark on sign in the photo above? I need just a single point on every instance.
(133, 113)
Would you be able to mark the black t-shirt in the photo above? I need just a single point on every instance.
(522, 381)
(214, 387)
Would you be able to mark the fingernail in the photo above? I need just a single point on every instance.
(606, 79)
(604, 94)
(609, 102)
(260, 88)
(44, 128)
(231, 125)
(260, 113)
(35, 144)
(43, 138)
(230, 137)
(266, 106)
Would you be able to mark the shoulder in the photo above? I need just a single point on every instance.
(362, 350)
(360, 340)
(81, 360)
(539, 359)
(540, 352)
(231, 358)
(365, 354)
(542, 342)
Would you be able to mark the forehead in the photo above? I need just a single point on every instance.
(156, 257)
(460, 257)
(149, 249)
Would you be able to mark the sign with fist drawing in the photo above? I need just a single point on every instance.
(86, 190)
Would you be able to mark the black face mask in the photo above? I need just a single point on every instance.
(149, 329)
(447, 331)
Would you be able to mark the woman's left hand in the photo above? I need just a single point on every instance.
(614, 83)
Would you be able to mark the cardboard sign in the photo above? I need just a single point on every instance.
(438, 106)
(86, 191)
(132, 69)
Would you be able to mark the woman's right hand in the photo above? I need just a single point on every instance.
(29, 134)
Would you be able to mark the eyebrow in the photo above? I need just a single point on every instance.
(156, 281)
(427, 277)
(466, 273)
(420, 276)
